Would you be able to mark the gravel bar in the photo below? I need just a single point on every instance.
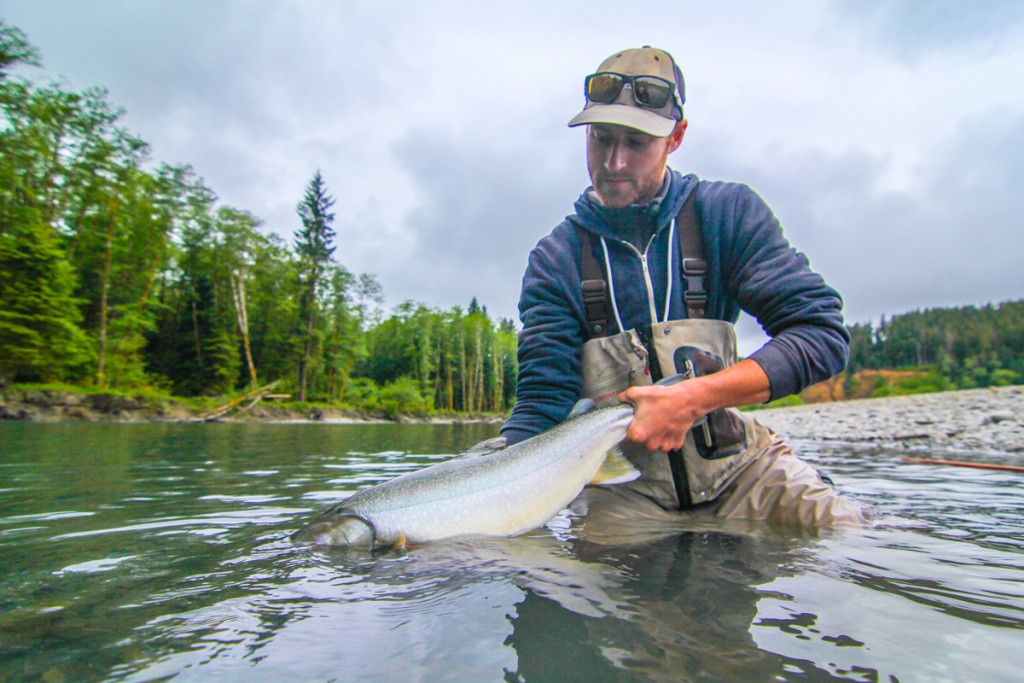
(974, 421)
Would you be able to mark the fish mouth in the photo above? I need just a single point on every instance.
(340, 528)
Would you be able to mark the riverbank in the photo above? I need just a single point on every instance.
(50, 405)
(975, 421)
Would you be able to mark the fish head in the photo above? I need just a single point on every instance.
(338, 529)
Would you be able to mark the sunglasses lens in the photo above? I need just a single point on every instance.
(652, 92)
(648, 91)
(604, 87)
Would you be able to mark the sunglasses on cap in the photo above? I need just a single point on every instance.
(648, 91)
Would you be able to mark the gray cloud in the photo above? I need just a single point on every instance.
(910, 29)
(481, 209)
(946, 238)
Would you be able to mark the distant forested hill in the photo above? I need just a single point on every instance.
(932, 350)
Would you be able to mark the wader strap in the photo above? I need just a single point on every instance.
(594, 288)
(691, 253)
(695, 296)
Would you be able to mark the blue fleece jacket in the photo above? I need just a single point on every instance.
(751, 266)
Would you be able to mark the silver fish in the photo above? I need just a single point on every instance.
(502, 493)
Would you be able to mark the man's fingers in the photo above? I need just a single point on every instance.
(635, 434)
(654, 442)
(627, 397)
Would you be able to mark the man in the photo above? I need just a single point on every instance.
(645, 280)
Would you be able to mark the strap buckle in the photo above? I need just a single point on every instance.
(594, 300)
(694, 271)
(694, 295)
(593, 291)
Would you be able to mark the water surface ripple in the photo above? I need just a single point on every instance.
(161, 552)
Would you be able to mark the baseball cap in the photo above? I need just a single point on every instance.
(625, 109)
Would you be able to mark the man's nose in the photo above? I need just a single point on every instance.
(616, 160)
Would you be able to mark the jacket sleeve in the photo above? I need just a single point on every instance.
(774, 282)
(551, 311)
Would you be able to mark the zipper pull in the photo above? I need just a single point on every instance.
(653, 368)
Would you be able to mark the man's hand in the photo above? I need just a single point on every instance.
(665, 413)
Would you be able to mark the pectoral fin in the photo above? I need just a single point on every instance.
(616, 469)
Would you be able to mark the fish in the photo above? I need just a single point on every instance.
(503, 492)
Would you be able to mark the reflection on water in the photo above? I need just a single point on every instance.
(152, 552)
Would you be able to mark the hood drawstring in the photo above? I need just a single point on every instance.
(650, 285)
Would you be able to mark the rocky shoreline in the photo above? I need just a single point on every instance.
(975, 421)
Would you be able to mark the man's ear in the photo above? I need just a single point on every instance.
(676, 136)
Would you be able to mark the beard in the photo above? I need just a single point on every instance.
(620, 190)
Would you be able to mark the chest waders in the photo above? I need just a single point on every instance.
(720, 445)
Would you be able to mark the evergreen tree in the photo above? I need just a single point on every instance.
(40, 337)
(314, 246)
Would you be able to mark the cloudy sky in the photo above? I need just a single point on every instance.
(888, 135)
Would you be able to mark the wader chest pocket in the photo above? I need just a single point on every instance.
(720, 433)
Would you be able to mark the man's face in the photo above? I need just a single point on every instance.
(627, 166)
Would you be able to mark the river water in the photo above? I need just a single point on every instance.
(161, 552)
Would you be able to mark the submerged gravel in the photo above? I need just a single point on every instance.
(975, 421)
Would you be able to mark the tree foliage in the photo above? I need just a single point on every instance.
(116, 271)
(458, 360)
